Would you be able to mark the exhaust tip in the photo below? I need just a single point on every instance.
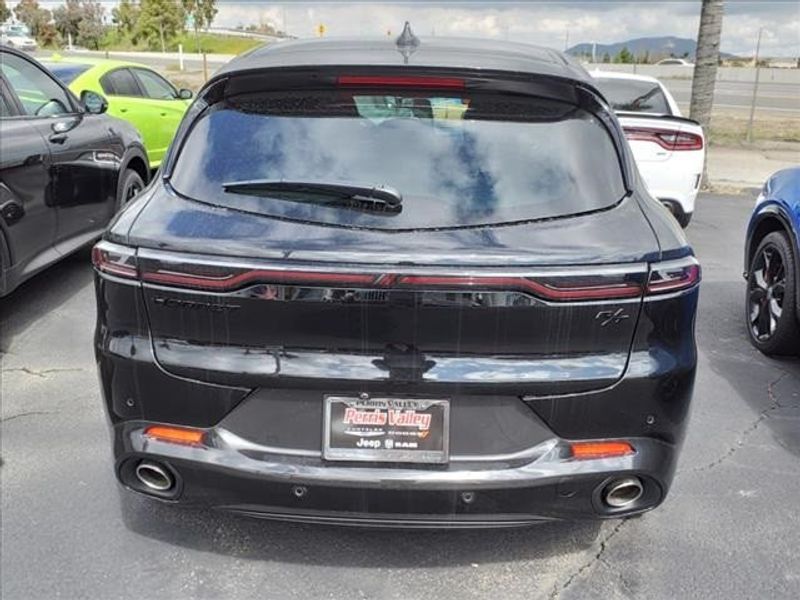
(622, 493)
(154, 476)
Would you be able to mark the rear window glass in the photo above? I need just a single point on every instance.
(634, 96)
(456, 160)
(65, 72)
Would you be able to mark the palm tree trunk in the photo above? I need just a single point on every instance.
(705, 67)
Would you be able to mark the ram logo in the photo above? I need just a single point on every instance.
(611, 316)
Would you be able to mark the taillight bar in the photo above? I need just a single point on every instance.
(401, 81)
(673, 276)
(230, 282)
(217, 278)
(563, 291)
(668, 139)
(115, 259)
(614, 284)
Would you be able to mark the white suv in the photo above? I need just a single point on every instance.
(669, 149)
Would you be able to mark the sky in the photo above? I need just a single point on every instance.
(555, 24)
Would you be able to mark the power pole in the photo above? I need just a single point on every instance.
(705, 65)
(755, 90)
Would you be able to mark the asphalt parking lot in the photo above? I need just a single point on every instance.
(729, 529)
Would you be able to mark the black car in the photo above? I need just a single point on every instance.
(65, 168)
(414, 284)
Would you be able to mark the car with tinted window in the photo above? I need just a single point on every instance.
(135, 93)
(411, 283)
(772, 266)
(669, 149)
(65, 168)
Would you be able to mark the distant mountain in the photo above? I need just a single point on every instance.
(657, 47)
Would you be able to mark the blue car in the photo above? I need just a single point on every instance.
(772, 266)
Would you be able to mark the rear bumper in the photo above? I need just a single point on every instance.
(679, 184)
(261, 453)
(542, 486)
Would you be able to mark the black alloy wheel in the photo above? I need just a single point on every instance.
(771, 304)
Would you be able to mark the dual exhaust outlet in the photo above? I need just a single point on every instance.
(154, 477)
(622, 493)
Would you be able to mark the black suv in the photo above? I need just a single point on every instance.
(65, 168)
(416, 283)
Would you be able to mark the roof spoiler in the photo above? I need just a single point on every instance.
(642, 115)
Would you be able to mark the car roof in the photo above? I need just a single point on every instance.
(598, 74)
(439, 52)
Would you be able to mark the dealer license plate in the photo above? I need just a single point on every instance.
(412, 430)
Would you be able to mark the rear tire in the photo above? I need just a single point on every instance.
(130, 186)
(771, 302)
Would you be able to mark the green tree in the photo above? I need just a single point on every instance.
(624, 56)
(5, 12)
(159, 22)
(67, 18)
(606, 58)
(125, 16)
(82, 20)
(35, 17)
(202, 13)
(91, 28)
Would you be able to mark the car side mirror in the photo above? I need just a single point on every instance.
(185, 94)
(93, 103)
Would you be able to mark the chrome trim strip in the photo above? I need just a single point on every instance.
(235, 442)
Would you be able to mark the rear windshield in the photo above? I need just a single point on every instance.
(456, 160)
(634, 96)
(67, 73)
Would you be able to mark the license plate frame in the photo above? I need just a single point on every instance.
(342, 444)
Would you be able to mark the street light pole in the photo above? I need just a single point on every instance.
(755, 90)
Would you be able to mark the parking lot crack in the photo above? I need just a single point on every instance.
(774, 404)
(596, 557)
(29, 413)
(43, 373)
(627, 588)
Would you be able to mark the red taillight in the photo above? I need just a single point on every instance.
(667, 139)
(175, 435)
(115, 259)
(232, 281)
(673, 276)
(558, 289)
(590, 450)
(564, 290)
(401, 81)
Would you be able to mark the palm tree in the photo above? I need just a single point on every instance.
(706, 61)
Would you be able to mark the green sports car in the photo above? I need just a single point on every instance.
(134, 92)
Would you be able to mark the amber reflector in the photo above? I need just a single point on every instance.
(586, 450)
(176, 435)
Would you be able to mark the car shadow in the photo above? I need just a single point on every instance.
(768, 384)
(43, 293)
(259, 539)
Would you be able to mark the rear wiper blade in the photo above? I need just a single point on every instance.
(336, 194)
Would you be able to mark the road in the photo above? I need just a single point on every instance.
(772, 97)
(728, 530)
